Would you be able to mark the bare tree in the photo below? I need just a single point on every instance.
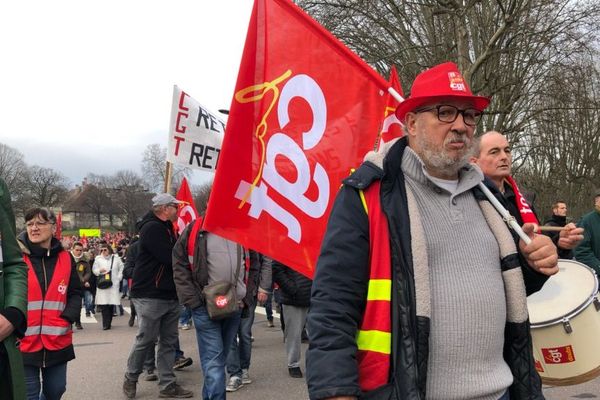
(130, 196)
(201, 195)
(44, 187)
(511, 50)
(154, 167)
(13, 170)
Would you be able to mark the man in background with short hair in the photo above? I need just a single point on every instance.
(559, 220)
(84, 272)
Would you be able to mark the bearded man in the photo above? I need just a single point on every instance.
(418, 293)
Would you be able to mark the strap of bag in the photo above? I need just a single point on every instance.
(112, 259)
(239, 261)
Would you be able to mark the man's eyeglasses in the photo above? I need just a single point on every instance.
(446, 113)
(37, 224)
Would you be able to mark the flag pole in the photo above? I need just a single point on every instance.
(168, 173)
(395, 94)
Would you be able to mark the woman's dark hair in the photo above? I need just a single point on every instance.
(106, 246)
(43, 213)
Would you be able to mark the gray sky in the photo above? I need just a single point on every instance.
(85, 86)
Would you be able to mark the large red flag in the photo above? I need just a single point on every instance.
(392, 127)
(187, 212)
(305, 112)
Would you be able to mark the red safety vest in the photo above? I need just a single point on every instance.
(374, 337)
(45, 328)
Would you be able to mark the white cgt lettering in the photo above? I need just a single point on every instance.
(306, 88)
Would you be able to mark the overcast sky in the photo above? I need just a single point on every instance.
(85, 86)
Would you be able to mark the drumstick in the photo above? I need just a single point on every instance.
(550, 228)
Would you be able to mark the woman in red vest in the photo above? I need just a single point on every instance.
(54, 302)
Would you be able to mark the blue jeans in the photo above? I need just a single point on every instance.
(52, 385)
(214, 341)
(505, 396)
(186, 315)
(240, 353)
(88, 301)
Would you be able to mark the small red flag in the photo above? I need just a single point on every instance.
(392, 127)
(187, 212)
(305, 112)
(58, 233)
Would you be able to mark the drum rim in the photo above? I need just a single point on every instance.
(578, 309)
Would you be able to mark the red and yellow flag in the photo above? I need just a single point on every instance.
(305, 112)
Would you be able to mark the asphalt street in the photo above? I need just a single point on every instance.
(97, 372)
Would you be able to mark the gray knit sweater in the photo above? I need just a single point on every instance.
(468, 303)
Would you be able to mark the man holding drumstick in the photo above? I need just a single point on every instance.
(418, 292)
(492, 153)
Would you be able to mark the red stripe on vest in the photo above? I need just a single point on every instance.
(56, 292)
(374, 367)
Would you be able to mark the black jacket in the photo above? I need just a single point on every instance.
(339, 297)
(294, 287)
(153, 272)
(557, 220)
(44, 262)
(132, 252)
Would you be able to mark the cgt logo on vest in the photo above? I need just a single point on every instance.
(62, 287)
(221, 301)
(281, 146)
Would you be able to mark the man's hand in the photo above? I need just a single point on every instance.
(87, 284)
(262, 298)
(540, 253)
(570, 237)
(6, 328)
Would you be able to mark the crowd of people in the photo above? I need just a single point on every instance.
(419, 292)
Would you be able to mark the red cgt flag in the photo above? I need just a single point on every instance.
(187, 212)
(305, 111)
(392, 127)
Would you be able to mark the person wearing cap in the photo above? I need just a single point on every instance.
(492, 153)
(155, 299)
(418, 293)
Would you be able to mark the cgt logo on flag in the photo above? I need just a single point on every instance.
(305, 112)
(282, 145)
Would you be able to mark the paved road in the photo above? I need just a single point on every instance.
(97, 373)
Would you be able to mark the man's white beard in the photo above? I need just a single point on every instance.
(438, 160)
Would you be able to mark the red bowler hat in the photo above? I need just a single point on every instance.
(439, 82)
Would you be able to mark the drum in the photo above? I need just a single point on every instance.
(565, 326)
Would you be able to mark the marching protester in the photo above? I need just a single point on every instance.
(417, 288)
(54, 303)
(559, 220)
(108, 269)
(13, 302)
(155, 299)
(258, 287)
(588, 251)
(492, 153)
(84, 271)
(294, 291)
(209, 270)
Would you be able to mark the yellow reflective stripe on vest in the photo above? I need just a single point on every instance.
(380, 289)
(378, 341)
(364, 201)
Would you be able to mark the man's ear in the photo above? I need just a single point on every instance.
(410, 121)
(473, 160)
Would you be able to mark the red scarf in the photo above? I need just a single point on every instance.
(527, 214)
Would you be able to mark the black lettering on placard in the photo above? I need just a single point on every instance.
(202, 116)
(202, 156)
